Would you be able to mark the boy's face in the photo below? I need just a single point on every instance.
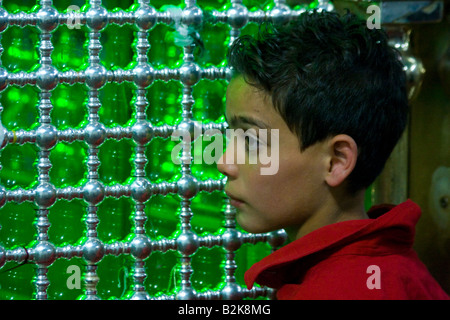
(286, 198)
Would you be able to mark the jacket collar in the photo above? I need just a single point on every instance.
(390, 229)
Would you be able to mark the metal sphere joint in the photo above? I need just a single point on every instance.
(47, 77)
(186, 294)
(189, 128)
(187, 187)
(47, 19)
(142, 132)
(192, 16)
(45, 195)
(95, 134)
(232, 240)
(232, 291)
(44, 253)
(141, 247)
(238, 16)
(93, 192)
(95, 76)
(3, 19)
(143, 75)
(145, 17)
(141, 190)
(97, 18)
(187, 243)
(46, 137)
(93, 250)
(190, 73)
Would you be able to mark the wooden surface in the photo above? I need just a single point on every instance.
(429, 151)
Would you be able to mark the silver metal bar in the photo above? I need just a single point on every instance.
(141, 132)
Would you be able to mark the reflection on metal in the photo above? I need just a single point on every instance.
(397, 17)
(399, 38)
(392, 185)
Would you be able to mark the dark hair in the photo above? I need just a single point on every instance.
(329, 74)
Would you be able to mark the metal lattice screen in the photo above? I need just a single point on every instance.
(91, 94)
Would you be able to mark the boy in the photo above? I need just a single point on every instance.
(334, 92)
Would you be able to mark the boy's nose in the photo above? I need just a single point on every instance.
(230, 169)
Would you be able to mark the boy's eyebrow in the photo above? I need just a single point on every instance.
(236, 121)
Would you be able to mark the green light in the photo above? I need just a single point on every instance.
(68, 160)
(167, 167)
(62, 175)
(171, 52)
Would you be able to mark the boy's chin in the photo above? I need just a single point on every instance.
(250, 227)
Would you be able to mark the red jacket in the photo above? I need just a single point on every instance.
(358, 259)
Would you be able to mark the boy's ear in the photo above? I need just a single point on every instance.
(343, 153)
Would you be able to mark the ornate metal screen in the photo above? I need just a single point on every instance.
(90, 96)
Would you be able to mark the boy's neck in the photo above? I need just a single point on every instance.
(332, 211)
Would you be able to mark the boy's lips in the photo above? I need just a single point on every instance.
(235, 202)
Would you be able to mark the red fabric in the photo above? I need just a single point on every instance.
(333, 262)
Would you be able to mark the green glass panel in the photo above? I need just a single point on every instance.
(114, 219)
(112, 38)
(17, 224)
(70, 53)
(62, 175)
(208, 272)
(247, 255)
(112, 5)
(16, 280)
(67, 223)
(19, 107)
(68, 106)
(115, 275)
(18, 166)
(20, 53)
(161, 273)
(58, 275)
(164, 103)
(160, 166)
(16, 6)
(208, 217)
(162, 216)
(68, 160)
(115, 162)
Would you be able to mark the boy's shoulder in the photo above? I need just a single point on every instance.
(357, 259)
(397, 276)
